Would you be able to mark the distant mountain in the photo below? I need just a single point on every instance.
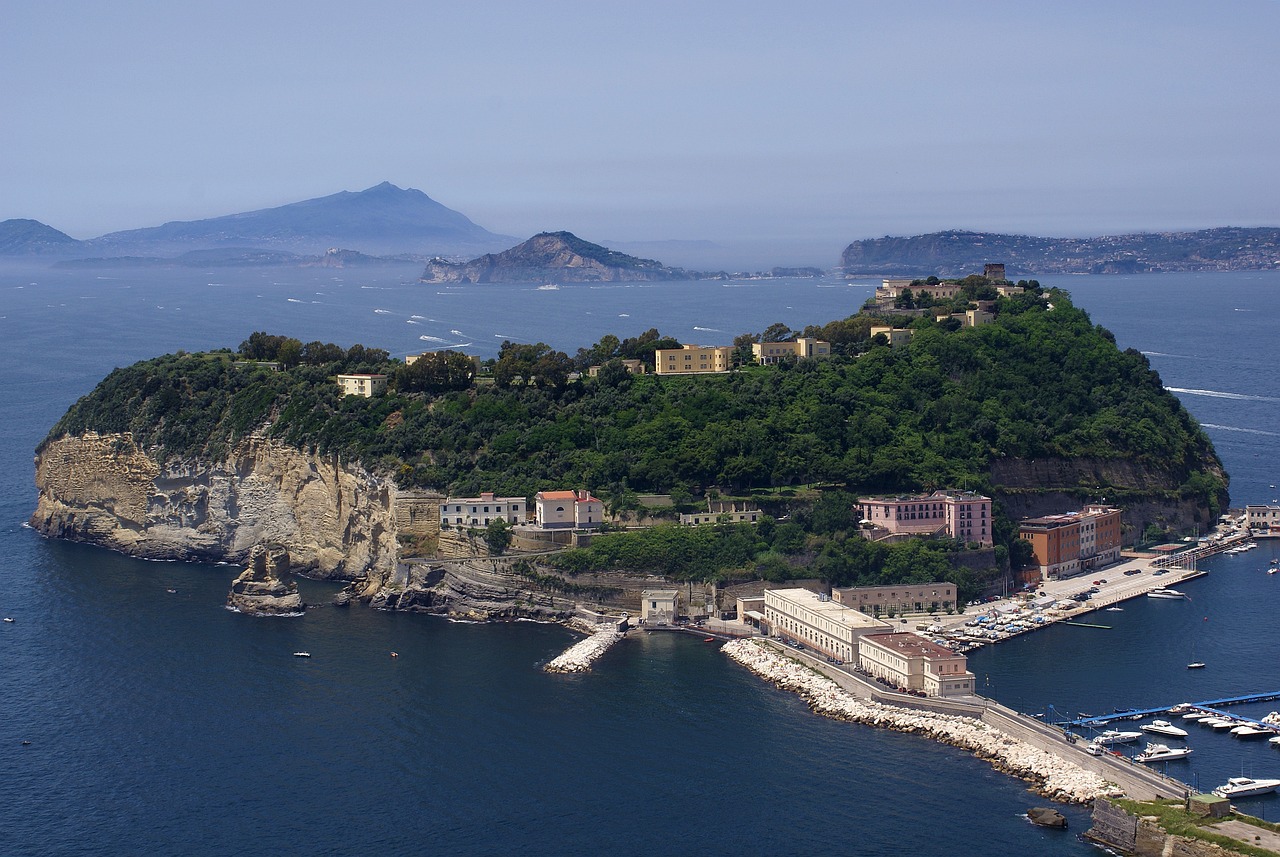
(552, 256)
(381, 220)
(33, 238)
(958, 253)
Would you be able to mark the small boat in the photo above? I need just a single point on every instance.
(1112, 736)
(1196, 665)
(1115, 609)
(1194, 716)
(1274, 742)
(1222, 724)
(1161, 753)
(1166, 593)
(708, 639)
(302, 654)
(8, 618)
(1164, 727)
(171, 591)
(1246, 787)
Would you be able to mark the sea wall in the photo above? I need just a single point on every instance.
(1053, 776)
(1128, 834)
(334, 518)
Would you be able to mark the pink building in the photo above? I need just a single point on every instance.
(956, 514)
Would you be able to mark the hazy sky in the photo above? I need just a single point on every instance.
(799, 124)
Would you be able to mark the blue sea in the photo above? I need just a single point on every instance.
(161, 723)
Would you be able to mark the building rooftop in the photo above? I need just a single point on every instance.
(832, 610)
(911, 645)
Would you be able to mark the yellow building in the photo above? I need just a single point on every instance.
(806, 346)
(896, 335)
(915, 664)
(694, 359)
(362, 385)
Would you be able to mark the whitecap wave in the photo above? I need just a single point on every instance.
(1219, 394)
(383, 311)
(410, 321)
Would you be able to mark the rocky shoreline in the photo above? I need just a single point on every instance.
(1052, 776)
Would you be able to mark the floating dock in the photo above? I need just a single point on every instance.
(1211, 706)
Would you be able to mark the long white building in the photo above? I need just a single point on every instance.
(483, 510)
(818, 622)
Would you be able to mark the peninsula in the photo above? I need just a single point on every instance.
(552, 257)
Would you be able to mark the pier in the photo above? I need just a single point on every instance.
(1211, 706)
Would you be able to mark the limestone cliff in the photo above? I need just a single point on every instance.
(261, 589)
(334, 518)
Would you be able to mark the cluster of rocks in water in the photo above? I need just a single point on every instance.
(579, 657)
(260, 590)
(1054, 777)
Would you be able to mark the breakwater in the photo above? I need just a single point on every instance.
(579, 657)
(1052, 775)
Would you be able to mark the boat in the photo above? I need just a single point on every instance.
(1115, 609)
(1161, 753)
(1196, 665)
(1246, 787)
(8, 618)
(1222, 724)
(1112, 736)
(1166, 593)
(1248, 730)
(1195, 716)
(302, 654)
(1274, 742)
(1164, 727)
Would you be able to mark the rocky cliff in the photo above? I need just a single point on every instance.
(335, 519)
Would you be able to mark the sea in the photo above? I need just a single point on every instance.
(138, 716)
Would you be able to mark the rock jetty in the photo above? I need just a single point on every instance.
(579, 657)
(1054, 777)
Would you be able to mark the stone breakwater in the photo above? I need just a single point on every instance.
(1053, 776)
(579, 657)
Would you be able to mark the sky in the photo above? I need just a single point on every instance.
(792, 128)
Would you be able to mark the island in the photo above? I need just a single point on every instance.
(704, 466)
(550, 257)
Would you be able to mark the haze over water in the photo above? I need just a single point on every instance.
(161, 722)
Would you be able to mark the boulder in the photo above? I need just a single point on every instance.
(1046, 817)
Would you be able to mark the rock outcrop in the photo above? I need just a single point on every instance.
(334, 518)
(261, 590)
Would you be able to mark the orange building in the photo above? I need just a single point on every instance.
(1066, 545)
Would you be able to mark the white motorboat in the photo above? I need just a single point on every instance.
(1246, 787)
(1164, 727)
(1222, 724)
(302, 654)
(1248, 730)
(1274, 742)
(1112, 736)
(1161, 753)
(1195, 715)
(1196, 665)
(1166, 593)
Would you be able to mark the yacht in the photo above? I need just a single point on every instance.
(1166, 593)
(1196, 665)
(1246, 787)
(1274, 742)
(1111, 736)
(1195, 715)
(1248, 730)
(1161, 753)
(1164, 727)
(1222, 724)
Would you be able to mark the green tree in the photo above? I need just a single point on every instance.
(497, 536)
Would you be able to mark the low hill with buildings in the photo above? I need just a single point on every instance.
(1027, 402)
(551, 257)
(954, 252)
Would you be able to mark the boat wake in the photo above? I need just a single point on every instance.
(1219, 394)
(1239, 429)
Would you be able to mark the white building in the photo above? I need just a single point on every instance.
(362, 385)
(913, 663)
(483, 510)
(659, 606)
(816, 621)
(563, 510)
(1262, 518)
